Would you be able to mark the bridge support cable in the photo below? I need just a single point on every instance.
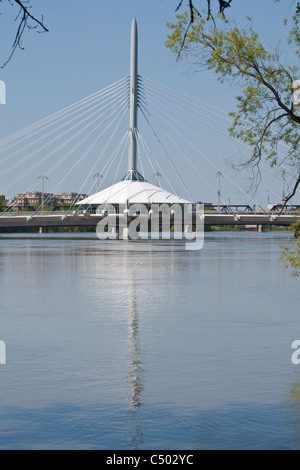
(183, 154)
(213, 138)
(195, 168)
(106, 167)
(151, 158)
(82, 158)
(168, 157)
(159, 112)
(113, 109)
(183, 103)
(123, 143)
(99, 107)
(44, 123)
(60, 136)
(181, 107)
(170, 112)
(207, 108)
(140, 155)
(187, 130)
(109, 162)
(85, 154)
(140, 141)
(120, 97)
(216, 167)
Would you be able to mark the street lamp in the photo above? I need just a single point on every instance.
(157, 176)
(97, 177)
(42, 179)
(219, 176)
(283, 174)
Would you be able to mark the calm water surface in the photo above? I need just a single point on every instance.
(142, 345)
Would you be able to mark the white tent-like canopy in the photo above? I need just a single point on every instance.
(133, 192)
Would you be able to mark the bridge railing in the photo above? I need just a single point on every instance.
(264, 213)
(207, 211)
(34, 213)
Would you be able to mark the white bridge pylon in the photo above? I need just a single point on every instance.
(133, 189)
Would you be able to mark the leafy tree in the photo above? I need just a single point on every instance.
(2, 205)
(267, 115)
(291, 252)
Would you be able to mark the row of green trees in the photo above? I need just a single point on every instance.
(2, 204)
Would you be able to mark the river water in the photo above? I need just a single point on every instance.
(143, 345)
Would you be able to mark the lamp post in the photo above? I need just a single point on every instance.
(219, 176)
(157, 176)
(97, 177)
(42, 179)
(283, 174)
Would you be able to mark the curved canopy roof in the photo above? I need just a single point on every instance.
(135, 192)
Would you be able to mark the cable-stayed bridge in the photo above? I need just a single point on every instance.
(91, 138)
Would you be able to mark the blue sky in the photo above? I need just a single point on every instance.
(88, 48)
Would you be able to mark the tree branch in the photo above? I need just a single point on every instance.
(195, 12)
(24, 17)
(291, 195)
(27, 14)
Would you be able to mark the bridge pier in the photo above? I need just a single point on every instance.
(124, 233)
(260, 228)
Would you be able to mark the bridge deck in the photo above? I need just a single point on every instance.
(69, 219)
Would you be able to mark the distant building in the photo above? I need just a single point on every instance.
(31, 199)
(69, 198)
